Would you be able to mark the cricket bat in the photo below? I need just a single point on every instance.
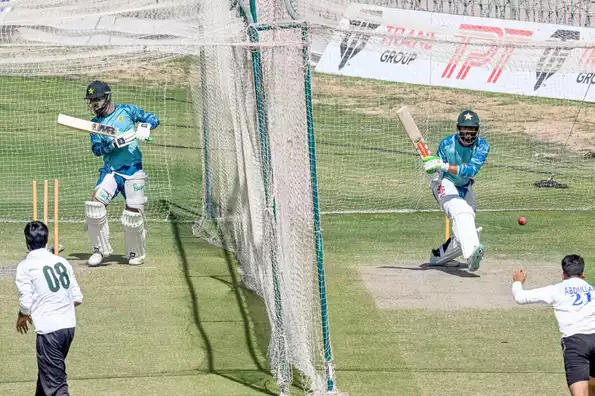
(413, 132)
(89, 126)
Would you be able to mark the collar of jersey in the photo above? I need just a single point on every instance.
(578, 280)
(37, 252)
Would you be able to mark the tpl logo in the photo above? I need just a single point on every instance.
(464, 59)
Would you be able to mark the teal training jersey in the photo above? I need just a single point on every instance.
(124, 118)
(469, 159)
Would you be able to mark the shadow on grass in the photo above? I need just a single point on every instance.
(251, 308)
(113, 259)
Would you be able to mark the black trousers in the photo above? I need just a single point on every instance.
(579, 357)
(52, 349)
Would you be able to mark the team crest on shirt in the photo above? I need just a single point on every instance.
(121, 118)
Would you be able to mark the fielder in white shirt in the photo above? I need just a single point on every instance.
(48, 294)
(575, 312)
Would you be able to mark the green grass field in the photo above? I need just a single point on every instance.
(182, 324)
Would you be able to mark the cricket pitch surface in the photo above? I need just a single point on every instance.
(416, 285)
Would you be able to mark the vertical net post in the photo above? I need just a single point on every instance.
(326, 339)
(267, 167)
(207, 178)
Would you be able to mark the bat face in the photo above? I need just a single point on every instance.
(87, 126)
(104, 129)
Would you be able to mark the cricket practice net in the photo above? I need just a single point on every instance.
(530, 83)
(259, 184)
(271, 112)
(232, 149)
(49, 52)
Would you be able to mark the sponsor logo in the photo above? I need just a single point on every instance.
(138, 187)
(353, 43)
(401, 38)
(554, 57)
(586, 78)
(103, 195)
(587, 59)
(400, 55)
(464, 59)
(96, 127)
(397, 57)
(441, 191)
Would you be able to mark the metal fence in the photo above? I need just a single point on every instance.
(565, 12)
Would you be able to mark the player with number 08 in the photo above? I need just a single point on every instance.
(48, 294)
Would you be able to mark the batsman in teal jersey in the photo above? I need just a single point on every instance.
(122, 173)
(459, 158)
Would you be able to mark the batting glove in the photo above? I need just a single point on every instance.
(124, 139)
(143, 131)
(434, 163)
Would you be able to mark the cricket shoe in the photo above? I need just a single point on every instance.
(475, 259)
(133, 260)
(97, 258)
(446, 260)
(445, 255)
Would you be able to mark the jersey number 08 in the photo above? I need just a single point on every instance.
(56, 276)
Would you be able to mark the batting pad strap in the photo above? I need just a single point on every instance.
(103, 196)
(134, 233)
(98, 227)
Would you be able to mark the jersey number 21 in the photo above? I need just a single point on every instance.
(580, 299)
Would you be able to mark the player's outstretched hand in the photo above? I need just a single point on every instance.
(22, 323)
(519, 276)
(433, 163)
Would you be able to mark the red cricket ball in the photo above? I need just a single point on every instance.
(522, 220)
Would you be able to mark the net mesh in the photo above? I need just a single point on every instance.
(192, 64)
(234, 116)
(542, 146)
(139, 49)
(567, 12)
(257, 185)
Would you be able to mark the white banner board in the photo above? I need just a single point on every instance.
(560, 72)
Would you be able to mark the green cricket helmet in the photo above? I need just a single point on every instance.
(469, 121)
(98, 97)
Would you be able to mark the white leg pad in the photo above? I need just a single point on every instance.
(134, 234)
(134, 186)
(98, 227)
(463, 225)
